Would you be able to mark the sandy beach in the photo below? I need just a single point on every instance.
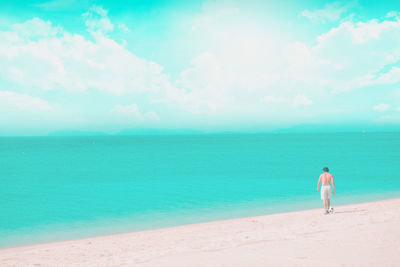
(366, 234)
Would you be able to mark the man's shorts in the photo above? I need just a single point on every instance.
(325, 192)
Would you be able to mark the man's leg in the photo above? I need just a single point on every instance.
(329, 203)
(324, 203)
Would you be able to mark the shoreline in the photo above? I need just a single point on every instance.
(356, 226)
(234, 215)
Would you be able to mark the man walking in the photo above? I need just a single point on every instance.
(326, 179)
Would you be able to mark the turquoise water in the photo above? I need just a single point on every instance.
(55, 188)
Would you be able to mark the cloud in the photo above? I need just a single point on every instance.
(360, 32)
(123, 28)
(270, 99)
(199, 89)
(297, 101)
(248, 64)
(97, 21)
(301, 100)
(214, 12)
(390, 77)
(381, 107)
(205, 70)
(11, 102)
(334, 62)
(234, 70)
(130, 114)
(393, 14)
(242, 69)
(36, 28)
(73, 63)
(391, 119)
(24, 114)
(331, 12)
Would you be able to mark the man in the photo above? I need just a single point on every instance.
(326, 179)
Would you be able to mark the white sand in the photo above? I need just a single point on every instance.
(365, 234)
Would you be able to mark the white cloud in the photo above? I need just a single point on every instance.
(301, 100)
(393, 14)
(214, 12)
(250, 62)
(381, 107)
(205, 70)
(123, 27)
(130, 114)
(390, 77)
(247, 64)
(331, 12)
(71, 62)
(24, 114)
(398, 108)
(36, 28)
(360, 32)
(388, 119)
(237, 67)
(347, 57)
(270, 99)
(11, 102)
(97, 21)
(297, 101)
(200, 89)
(240, 64)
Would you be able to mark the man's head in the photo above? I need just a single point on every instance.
(325, 169)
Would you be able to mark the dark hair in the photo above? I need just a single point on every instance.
(325, 169)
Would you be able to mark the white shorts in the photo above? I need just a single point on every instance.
(325, 192)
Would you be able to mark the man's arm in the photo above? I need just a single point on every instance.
(319, 181)
(333, 185)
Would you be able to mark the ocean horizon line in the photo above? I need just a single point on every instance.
(163, 132)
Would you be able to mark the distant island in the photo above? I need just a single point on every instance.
(127, 132)
(304, 128)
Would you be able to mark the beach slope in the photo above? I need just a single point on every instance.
(366, 234)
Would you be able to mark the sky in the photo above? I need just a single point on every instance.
(108, 66)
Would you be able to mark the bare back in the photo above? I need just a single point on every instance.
(326, 178)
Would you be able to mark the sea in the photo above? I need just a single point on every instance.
(59, 188)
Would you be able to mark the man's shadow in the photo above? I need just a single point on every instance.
(349, 211)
